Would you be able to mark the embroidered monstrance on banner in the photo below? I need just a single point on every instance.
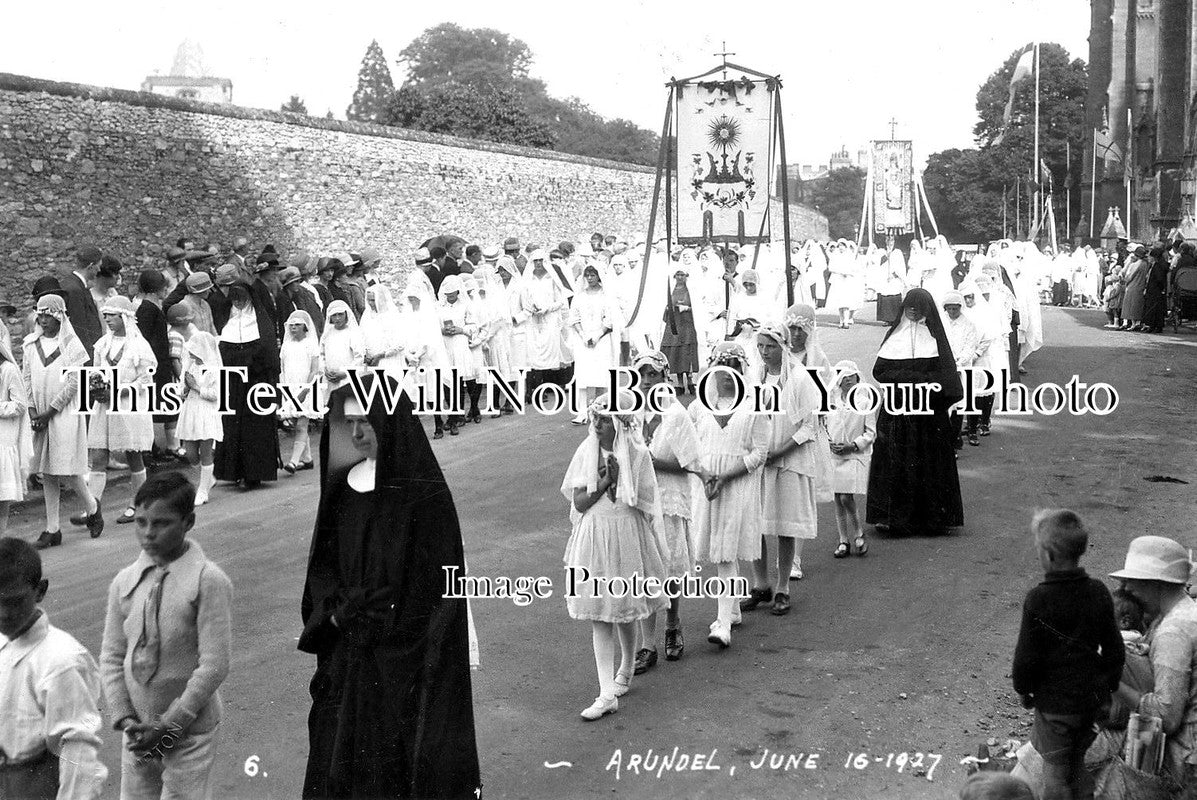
(724, 160)
(893, 187)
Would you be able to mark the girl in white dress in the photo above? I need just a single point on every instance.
(519, 313)
(198, 365)
(53, 354)
(113, 431)
(494, 303)
(341, 347)
(457, 326)
(14, 434)
(734, 444)
(617, 532)
(596, 321)
(790, 474)
(673, 444)
(380, 329)
(423, 349)
(851, 433)
(300, 361)
(479, 319)
(846, 292)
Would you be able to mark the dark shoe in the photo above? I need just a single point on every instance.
(291, 467)
(755, 598)
(126, 516)
(781, 604)
(974, 439)
(453, 430)
(306, 465)
(48, 539)
(675, 645)
(95, 523)
(646, 659)
(842, 550)
(438, 434)
(80, 519)
(984, 428)
(861, 545)
(476, 417)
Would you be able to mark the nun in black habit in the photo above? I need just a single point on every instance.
(249, 453)
(913, 483)
(392, 708)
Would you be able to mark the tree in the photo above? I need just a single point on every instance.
(839, 196)
(961, 193)
(965, 187)
(496, 115)
(475, 82)
(374, 87)
(295, 105)
(477, 57)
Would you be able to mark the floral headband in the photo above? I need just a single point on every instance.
(653, 358)
(729, 353)
(601, 407)
(800, 316)
(776, 333)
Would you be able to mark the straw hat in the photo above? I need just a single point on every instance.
(1155, 558)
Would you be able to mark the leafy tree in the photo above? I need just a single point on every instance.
(477, 57)
(964, 187)
(374, 87)
(295, 105)
(497, 115)
(839, 196)
(476, 82)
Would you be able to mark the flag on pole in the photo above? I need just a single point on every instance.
(1107, 149)
(1045, 176)
(1127, 167)
(1023, 68)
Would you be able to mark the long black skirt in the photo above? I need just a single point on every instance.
(913, 483)
(249, 451)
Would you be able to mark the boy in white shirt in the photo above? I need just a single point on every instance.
(49, 692)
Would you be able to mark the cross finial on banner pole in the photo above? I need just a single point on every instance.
(724, 56)
(893, 124)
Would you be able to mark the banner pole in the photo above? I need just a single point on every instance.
(1093, 188)
(785, 191)
(662, 157)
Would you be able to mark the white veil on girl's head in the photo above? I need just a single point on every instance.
(338, 307)
(637, 482)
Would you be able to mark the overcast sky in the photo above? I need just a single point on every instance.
(847, 66)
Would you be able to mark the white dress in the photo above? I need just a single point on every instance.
(49, 367)
(611, 539)
(728, 528)
(14, 400)
(545, 344)
(199, 418)
(457, 346)
(124, 431)
(847, 283)
(788, 486)
(594, 313)
(674, 438)
(850, 471)
(295, 360)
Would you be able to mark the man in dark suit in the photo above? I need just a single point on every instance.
(81, 306)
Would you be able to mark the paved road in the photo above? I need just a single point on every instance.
(905, 651)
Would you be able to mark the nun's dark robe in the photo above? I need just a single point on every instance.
(392, 707)
(250, 448)
(913, 483)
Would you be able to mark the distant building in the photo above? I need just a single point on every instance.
(189, 78)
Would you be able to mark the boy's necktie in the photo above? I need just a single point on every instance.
(148, 647)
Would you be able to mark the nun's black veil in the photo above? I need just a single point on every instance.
(947, 374)
(392, 703)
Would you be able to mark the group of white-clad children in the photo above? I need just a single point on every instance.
(653, 496)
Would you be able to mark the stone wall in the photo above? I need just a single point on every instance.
(131, 172)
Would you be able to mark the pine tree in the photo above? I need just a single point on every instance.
(295, 105)
(374, 87)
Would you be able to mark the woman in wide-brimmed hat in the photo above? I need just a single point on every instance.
(1157, 572)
